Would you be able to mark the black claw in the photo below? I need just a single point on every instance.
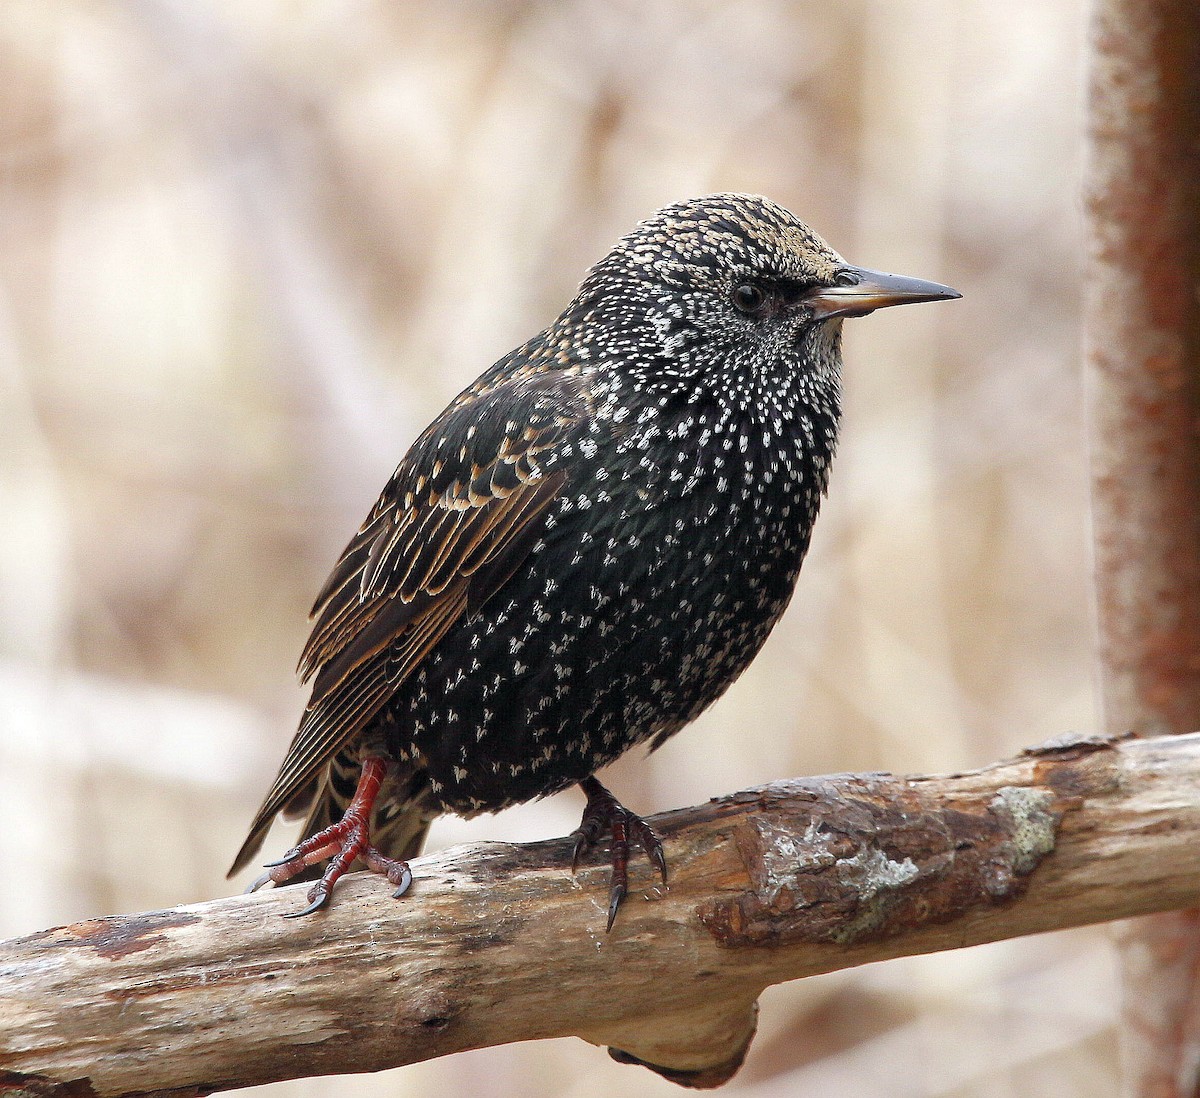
(651, 844)
(614, 902)
(318, 897)
(284, 860)
(257, 883)
(587, 834)
(658, 858)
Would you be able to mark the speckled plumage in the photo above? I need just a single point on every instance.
(592, 541)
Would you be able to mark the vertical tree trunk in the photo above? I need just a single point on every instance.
(1143, 361)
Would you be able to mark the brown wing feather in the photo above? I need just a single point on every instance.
(344, 711)
(447, 532)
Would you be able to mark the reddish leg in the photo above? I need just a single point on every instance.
(605, 813)
(341, 842)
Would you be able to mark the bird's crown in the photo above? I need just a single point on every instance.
(723, 234)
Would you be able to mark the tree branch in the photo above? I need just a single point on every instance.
(496, 943)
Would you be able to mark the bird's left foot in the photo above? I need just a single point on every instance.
(341, 842)
(604, 813)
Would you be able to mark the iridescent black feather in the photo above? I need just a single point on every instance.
(593, 541)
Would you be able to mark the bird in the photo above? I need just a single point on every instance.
(582, 551)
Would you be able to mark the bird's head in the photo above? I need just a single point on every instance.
(734, 284)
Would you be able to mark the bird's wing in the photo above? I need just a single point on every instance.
(460, 514)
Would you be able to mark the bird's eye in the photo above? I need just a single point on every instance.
(749, 298)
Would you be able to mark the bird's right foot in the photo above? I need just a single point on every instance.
(341, 842)
(605, 813)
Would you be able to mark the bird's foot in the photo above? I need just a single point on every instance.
(604, 813)
(341, 842)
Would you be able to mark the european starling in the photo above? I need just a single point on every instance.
(584, 549)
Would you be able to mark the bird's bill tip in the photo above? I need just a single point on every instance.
(859, 291)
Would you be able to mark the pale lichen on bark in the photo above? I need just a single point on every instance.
(1032, 823)
(876, 879)
(855, 857)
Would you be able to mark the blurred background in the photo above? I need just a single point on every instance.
(248, 250)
